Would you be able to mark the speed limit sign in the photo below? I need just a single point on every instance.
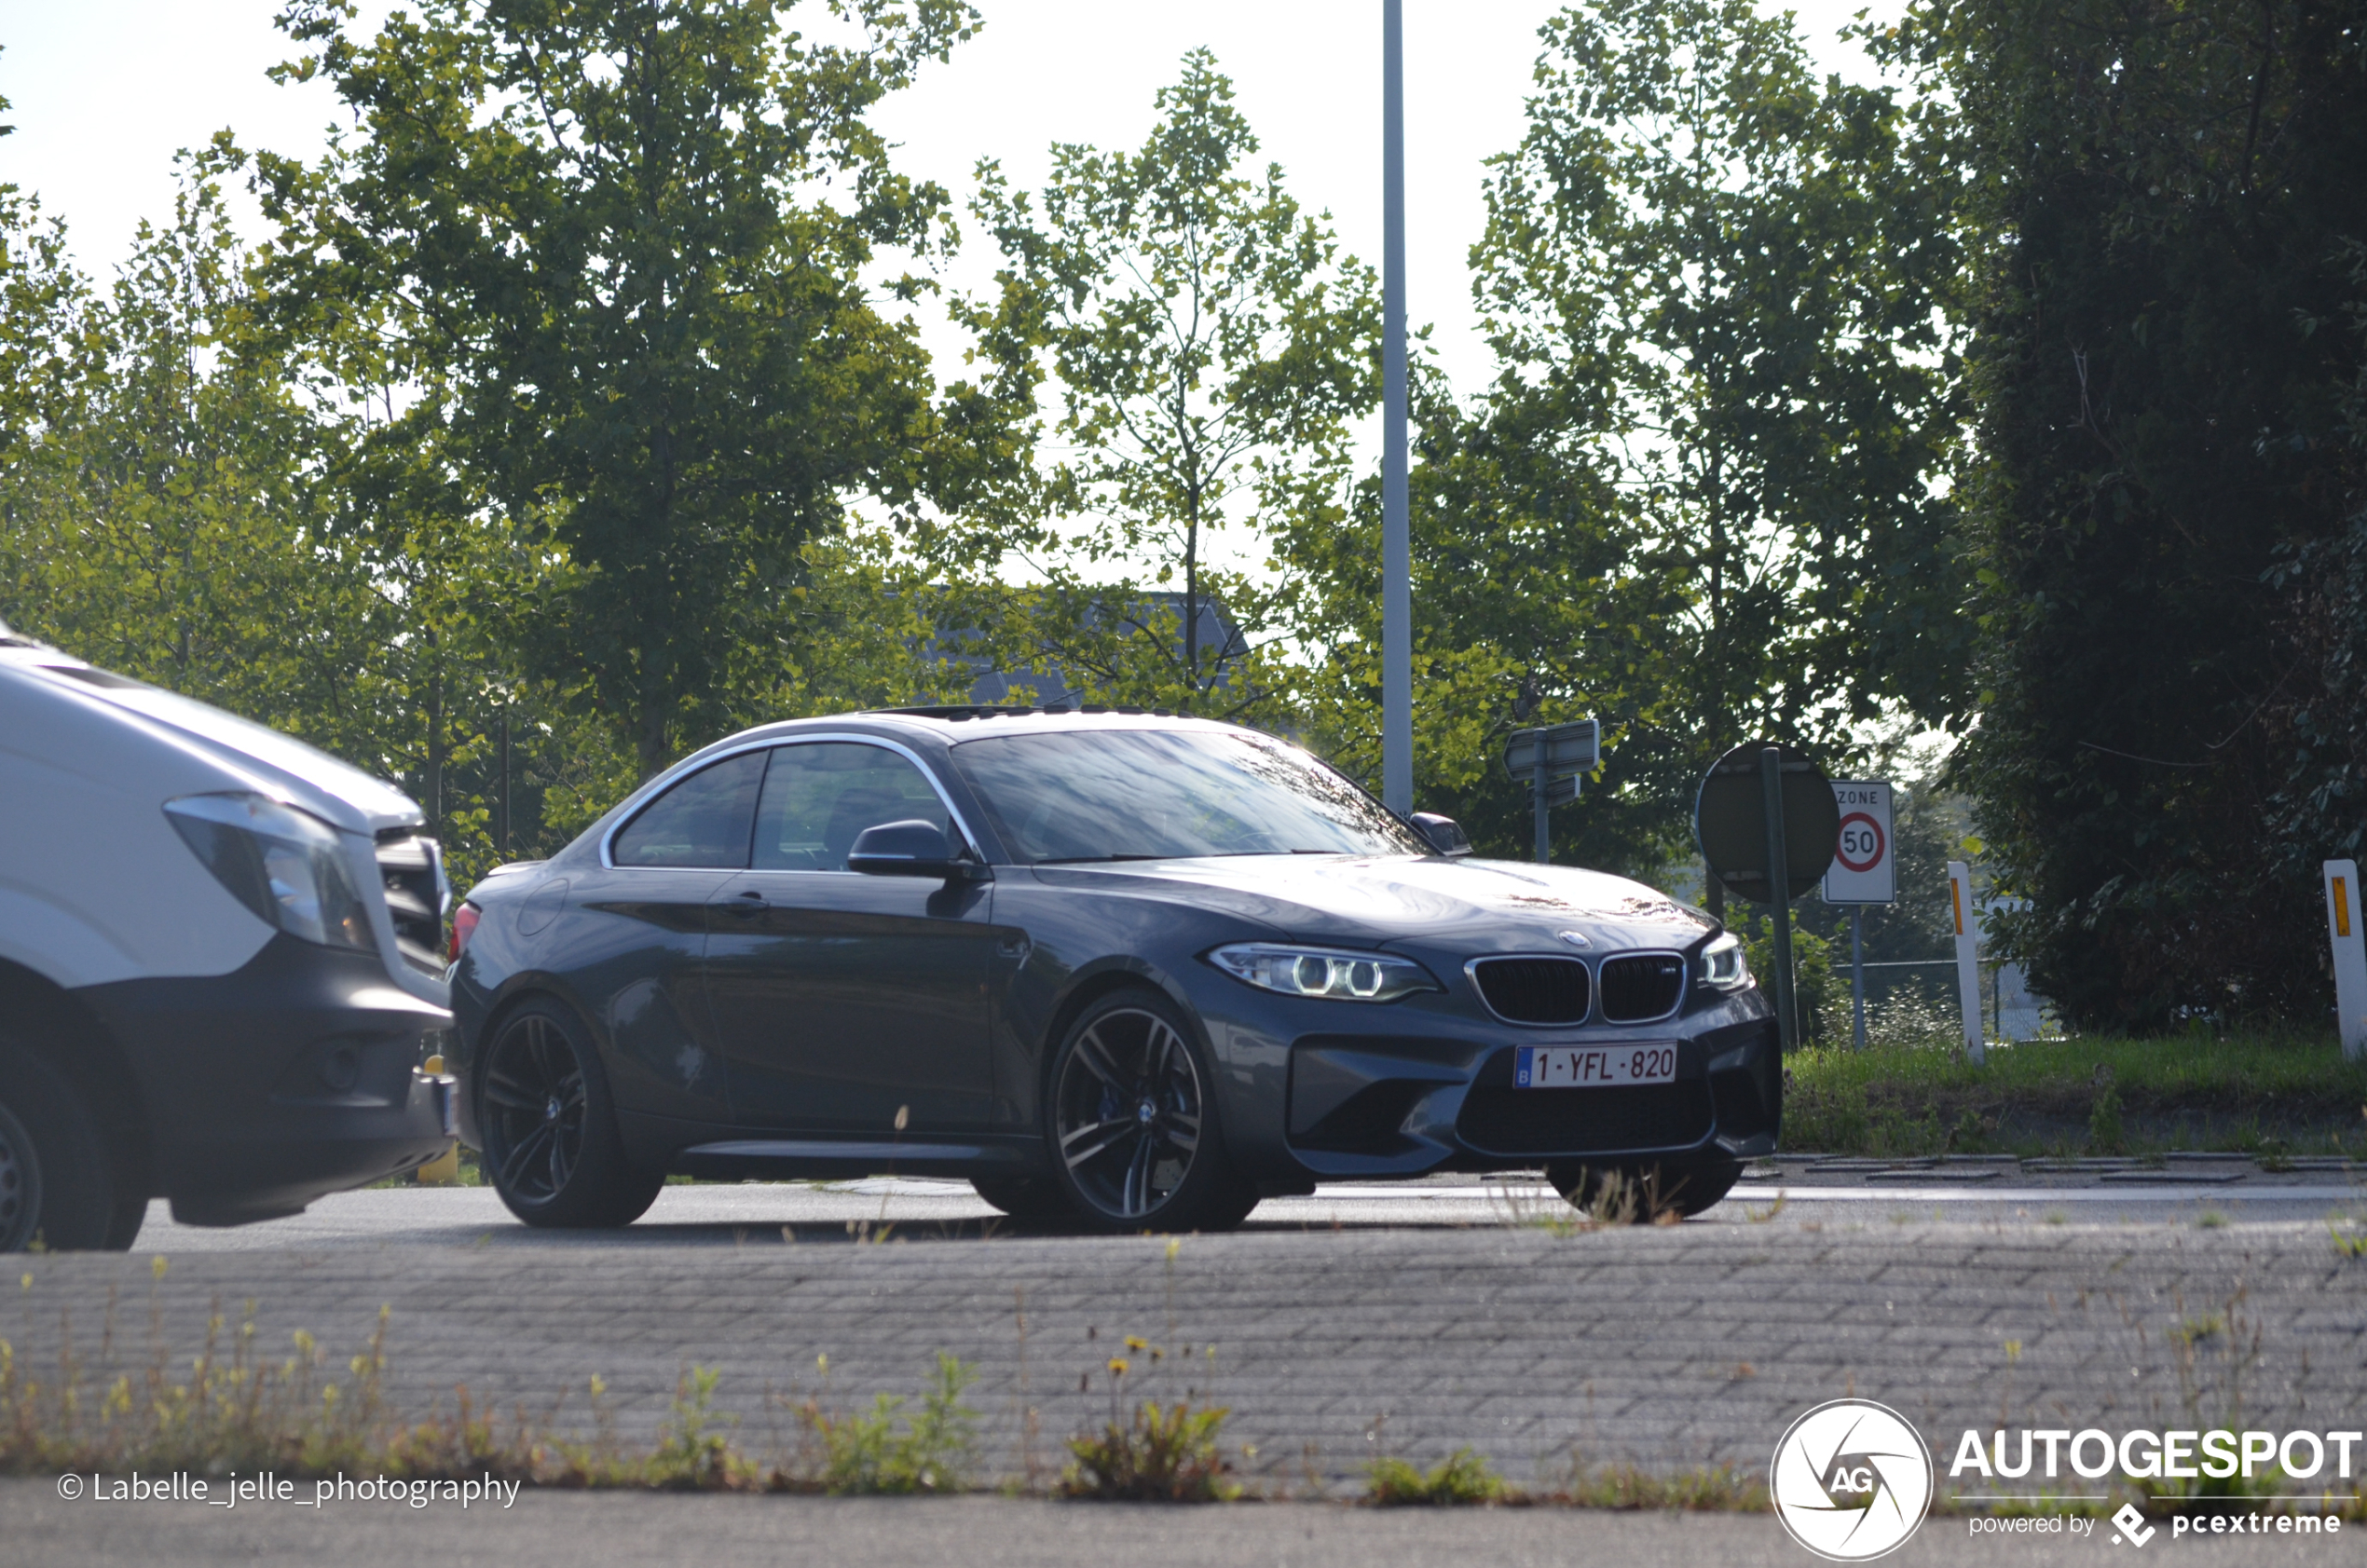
(1864, 870)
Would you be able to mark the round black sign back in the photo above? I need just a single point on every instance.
(1730, 822)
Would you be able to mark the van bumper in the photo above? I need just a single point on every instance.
(293, 1076)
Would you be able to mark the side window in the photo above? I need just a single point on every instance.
(818, 796)
(703, 821)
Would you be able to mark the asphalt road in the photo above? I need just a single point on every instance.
(1785, 1197)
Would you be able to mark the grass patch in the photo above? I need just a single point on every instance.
(2261, 1095)
(1462, 1480)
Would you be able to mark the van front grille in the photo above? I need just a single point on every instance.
(411, 869)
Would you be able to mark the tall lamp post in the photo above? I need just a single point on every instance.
(1397, 592)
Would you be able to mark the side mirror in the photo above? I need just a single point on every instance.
(907, 848)
(1445, 834)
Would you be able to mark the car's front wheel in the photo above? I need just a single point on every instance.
(1641, 1192)
(1132, 1123)
(551, 1140)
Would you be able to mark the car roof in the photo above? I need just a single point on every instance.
(952, 724)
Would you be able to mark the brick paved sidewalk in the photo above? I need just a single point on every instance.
(1669, 1347)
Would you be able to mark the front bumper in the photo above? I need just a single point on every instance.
(1398, 1105)
(295, 1076)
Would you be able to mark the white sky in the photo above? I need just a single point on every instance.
(104, 91)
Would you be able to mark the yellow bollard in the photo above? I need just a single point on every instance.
(444, 1169)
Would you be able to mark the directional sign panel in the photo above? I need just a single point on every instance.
(1864, 869)
(1566, 749)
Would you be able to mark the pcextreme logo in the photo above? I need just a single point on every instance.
(1851, 1480)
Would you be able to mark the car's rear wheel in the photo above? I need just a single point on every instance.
(551, 1140)
(1642, 1190)
(1132, 1125)
(59, 1185)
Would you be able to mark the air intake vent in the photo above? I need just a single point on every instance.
(410, 869)
(1642, 987)
(1534, 990)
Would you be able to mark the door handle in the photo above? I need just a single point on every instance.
(749, 902)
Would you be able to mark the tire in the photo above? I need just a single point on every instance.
(60, 1186)
(1022, 1198)
(1642, 1192)
(549, 1124)
(1130, 1120)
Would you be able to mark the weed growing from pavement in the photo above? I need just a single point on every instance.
(1916, 1097)
(887, 1451)
(1460, 1478)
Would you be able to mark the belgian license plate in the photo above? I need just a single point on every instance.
(1588, 1066)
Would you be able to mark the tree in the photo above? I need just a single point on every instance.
(1210, 347)
(2167, 495)
(618, 250)
(1724, 413)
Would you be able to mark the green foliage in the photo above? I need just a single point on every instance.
(1211, 348)
(1460, 1478)
(1702, 499)
(693, 1452)
(1823, 995)
(888, 1452)
(615, 253)
(2167, 361)
(1165, 1455)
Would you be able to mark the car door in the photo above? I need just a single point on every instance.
(840, 999)
(634, 933)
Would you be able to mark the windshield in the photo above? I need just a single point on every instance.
(1169, 794)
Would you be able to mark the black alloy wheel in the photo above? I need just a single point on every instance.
(1641, 1192)
(550, 1143)
(1133, 1128)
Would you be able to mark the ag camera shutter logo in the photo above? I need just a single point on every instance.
(1851, 1480)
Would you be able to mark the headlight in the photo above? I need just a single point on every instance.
(288, 868)
(1329, 972)
(1722, 964)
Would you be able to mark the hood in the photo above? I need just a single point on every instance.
(1481, 905)
(261, 758)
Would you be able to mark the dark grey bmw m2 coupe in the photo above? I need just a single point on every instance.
(1128, 969)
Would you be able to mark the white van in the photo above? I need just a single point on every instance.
(221, 963)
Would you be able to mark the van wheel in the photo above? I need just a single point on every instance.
(551, 1140)
(58, 1184)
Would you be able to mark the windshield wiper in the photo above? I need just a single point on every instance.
(1089, 859)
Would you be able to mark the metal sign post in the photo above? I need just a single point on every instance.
(1967, 919)
(1550, 760)
(1766, 822)
(2346, 928)
(1863, 872)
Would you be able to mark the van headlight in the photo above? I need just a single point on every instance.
(288, 868)
(1722, 964)
(1325, 972)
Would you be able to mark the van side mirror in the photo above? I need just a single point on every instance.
(1444, 834)
(909, 849)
